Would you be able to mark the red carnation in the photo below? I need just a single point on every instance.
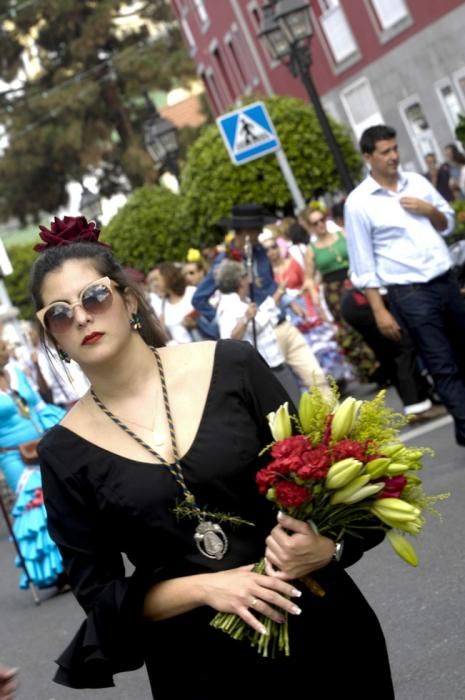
(290, 495)
(393, 486)
(316, 463)
(349, 448)
(296, 445)
(270, 475)
(68, 230)
(265, 478)
(291, 454)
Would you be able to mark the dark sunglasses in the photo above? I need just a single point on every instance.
(96, 298)
(273, 246)
(315, 222)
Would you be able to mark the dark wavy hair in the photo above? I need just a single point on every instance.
(457, 156)
(371, 136)
(53, 258)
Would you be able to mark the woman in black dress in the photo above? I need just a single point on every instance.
(112, 480)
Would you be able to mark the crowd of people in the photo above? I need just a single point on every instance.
(448, 177)
(136, 409)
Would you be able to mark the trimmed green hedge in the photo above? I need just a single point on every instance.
(211, 184)
(148, 229)
(22, 258)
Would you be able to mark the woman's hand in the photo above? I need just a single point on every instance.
(7, 683)
(293, 550)
(243, 592)
(251, 311)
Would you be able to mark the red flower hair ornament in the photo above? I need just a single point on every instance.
(68, 230)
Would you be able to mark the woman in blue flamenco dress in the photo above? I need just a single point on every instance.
(24, 417)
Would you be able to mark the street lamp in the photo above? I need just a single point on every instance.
(161, 139)
(90, 205)
(286, 30)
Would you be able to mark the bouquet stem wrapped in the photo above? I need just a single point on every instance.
(344, 471)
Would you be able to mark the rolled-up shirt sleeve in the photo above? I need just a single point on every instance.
(444, 207)
(360, 247)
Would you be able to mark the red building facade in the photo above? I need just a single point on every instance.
(400, 62)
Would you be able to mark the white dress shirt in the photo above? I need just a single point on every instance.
(389, 245)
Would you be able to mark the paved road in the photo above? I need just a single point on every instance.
(422, 610)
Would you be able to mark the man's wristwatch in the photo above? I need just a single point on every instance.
(338, 549)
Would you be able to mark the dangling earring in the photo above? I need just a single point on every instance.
(135, 322)
(63, 355)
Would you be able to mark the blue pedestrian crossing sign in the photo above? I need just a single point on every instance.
(248, 133)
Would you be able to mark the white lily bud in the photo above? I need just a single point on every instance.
(403, 548)
(280, 422)
(344, 418)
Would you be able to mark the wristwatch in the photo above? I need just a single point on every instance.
(338, 549)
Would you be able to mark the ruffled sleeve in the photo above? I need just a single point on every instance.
(111, 638)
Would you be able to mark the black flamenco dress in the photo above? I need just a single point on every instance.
(100, 504)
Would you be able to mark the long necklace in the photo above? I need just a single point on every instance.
(150, 428)
(209, 537)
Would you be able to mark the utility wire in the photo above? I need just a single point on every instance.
(56, 111)
(83, 75)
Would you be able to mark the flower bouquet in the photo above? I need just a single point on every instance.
(343, 472)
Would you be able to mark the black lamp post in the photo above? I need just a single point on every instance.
(286, 30)
(161, 139)
(90, 205)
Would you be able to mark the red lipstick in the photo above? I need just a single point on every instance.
(92, 338)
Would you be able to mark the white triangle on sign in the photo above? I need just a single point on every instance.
(249, 134)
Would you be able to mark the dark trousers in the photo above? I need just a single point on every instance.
(398, 360)
(434, 314)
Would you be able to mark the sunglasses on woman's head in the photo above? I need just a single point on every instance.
(95, 298)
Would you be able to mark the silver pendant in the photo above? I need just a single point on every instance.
(211, 540)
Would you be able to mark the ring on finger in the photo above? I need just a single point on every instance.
(253, 602)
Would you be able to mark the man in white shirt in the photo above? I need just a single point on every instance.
(395, 223)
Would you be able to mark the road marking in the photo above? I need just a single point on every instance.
(426, 428)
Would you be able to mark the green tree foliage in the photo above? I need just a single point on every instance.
(148, 229)
(17, 284)
(83, 111)
(211, 184)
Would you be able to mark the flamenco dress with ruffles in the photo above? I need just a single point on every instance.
(101, 504)
(23, 417)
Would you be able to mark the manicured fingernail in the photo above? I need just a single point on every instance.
(295, 610)
(264, 631)
(296, 593)
(280, 515)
